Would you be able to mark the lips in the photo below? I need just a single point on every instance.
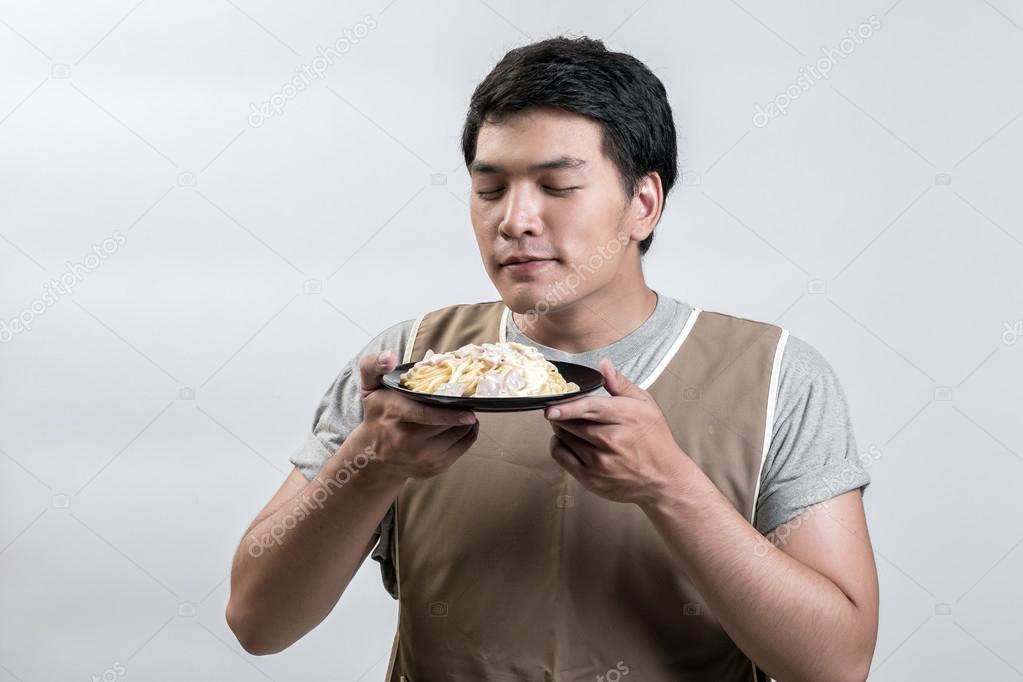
(527, 268)
(516, 260)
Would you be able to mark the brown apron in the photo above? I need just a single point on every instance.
(508, 569)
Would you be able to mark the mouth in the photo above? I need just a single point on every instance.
(526, 264)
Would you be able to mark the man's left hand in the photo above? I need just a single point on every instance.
(619, 447)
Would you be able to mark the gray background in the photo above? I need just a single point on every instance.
(147, 416)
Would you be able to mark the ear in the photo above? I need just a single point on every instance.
(646, 206)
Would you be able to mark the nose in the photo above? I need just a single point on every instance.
(521, 213)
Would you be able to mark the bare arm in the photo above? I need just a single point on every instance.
(807, 611)
(804, 611)
(304, 547)
(298, 557)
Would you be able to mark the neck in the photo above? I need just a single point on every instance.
(594, 321)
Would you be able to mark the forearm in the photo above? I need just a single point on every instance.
(293, 565)
(793, 622)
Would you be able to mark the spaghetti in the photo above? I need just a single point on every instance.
(489, 370)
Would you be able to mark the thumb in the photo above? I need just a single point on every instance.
(617, 384)
(375, 365)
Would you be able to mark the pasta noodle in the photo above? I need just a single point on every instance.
(488, 370)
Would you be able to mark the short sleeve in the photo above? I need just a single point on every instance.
(337, 414)
(812, 456)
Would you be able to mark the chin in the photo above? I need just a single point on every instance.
(520, 298)
(525, 297)
(537, 298)
(540, 293)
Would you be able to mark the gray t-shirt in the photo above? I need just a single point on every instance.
(812, 456)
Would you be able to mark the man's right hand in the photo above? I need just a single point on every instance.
(411, 439)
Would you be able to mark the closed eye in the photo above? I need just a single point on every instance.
(560, 191)
(556, 191)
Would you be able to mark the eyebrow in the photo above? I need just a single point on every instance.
(560, 163)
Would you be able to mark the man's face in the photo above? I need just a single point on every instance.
(543, 190)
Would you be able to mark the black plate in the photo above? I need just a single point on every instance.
(589, 380)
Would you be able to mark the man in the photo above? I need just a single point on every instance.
(619, 534)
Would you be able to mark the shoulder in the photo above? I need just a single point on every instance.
(737, 344)
(801, 369)
(805, 374)
(800, 363)
(740, 333)
(803, 360)
(728, 319)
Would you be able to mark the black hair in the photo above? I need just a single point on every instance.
(582, 76)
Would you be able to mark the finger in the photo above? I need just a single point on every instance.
(617, 384)
(566, 458)
(592, 408)
(442, 441)
(464, 441)
(583, 428)
(582, 449)
(420, 413)
(372, 367)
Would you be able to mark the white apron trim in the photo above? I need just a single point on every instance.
(412, 340)
(772, 401)
(690, 323)
(502, 329)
